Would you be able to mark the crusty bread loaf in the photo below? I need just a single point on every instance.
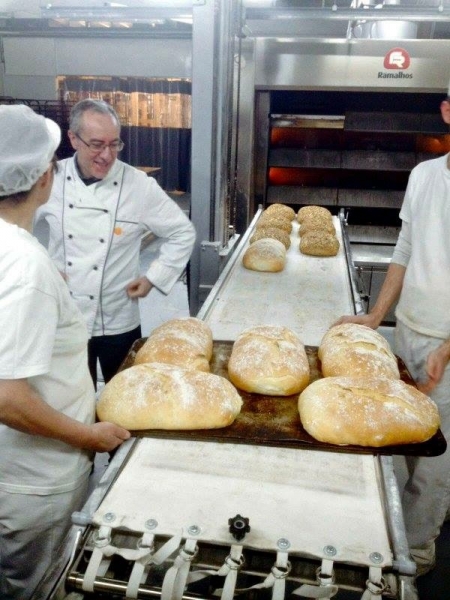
(274, 233)
(267, 255)
(356, 350)
(317, 224)
(268, 220)
(313, 211)
(281, 210)
(319, 243)
(269, 359)
(161, 396)
(367, 412)
(184, 342)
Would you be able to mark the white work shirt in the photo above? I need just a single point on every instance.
(95, 232)
(425, 298)
(43, 340)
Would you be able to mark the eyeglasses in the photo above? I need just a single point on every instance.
(98, 147)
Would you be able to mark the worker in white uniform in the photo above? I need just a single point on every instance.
(47, 399)
(419, 277)
(98, 212)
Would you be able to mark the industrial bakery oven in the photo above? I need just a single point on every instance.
(351, 152)
(257, 509)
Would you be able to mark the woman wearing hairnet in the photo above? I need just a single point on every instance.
(47, 402)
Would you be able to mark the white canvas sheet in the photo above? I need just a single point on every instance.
(308, 296)
(313, 499)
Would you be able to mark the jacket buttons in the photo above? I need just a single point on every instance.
(70, 205)
(105, 210)
(95, 268)
(91, 297)
(115, 183)
(102, 241)
(69, 178)
(70, 236)
(69, 263)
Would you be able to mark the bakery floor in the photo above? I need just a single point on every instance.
(157, 308)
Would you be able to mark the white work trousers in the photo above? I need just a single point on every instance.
(32, 528)
(426, 497)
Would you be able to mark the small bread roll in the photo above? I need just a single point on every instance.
(367, 412)
(274, 233)
(160, 396)
(313, 211)
(184, 342)
(266, 220)
(270, 360)
(281, 210)
(319, 243)
(317, 224)
(357, 350)
(267, 255)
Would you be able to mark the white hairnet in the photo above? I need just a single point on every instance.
(27, 144)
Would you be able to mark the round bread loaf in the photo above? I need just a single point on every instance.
(184, 342)
(274, 233)
(282, 210)
(356, 350)
(367, 412)
(313, 211)
(267, 255)
(161, 396)
(267, 220)
(269, 359)
(317, 224)
(319, 243)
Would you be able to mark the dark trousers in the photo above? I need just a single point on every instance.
(110, 351)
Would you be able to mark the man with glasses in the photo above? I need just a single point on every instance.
(98, 212)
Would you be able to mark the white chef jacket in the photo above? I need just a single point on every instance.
(43, 340)
(425, 298)
(95, 233)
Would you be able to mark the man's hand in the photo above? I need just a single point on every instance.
(139, 288)
(107, 436)
(436, 362)
(368, 320)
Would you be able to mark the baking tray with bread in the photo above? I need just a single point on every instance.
(274, 420)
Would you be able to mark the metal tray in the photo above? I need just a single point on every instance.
(274, 421)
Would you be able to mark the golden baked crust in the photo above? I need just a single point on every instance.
(184, 342)
(313, 211)
(367, 412)
(269, 359)
(350, 348)
(281, 210)
(317, 224)
(161, 396)
(274, 220)
(319, 243)
(267, 254)
(274, 233)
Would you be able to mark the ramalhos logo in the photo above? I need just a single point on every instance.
(397, 60)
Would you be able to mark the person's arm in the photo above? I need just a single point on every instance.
(389, 293)
(23, 409)
(436, 362)
(162, 216)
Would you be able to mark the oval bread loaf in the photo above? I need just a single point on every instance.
(319, 243)
(313, 211)
(161, 396)
(282, 210)
(184, 342)
(266, 220)
(267, 255)
(269, 359)
(367, 412)
(274, 233)
(350, 348)
(317, 224)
